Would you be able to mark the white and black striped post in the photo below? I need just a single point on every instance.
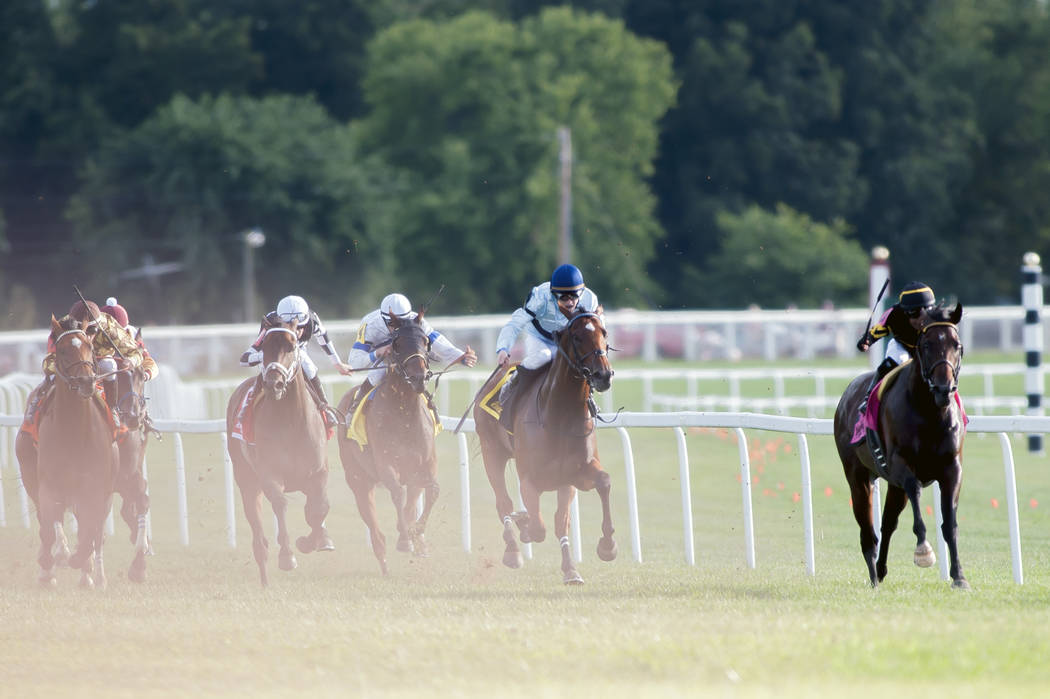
(1032, 300)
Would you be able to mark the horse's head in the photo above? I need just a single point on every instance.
(131, 399)
(584, 343)
(940, 353)
(409, 351)
(74, 356)
(280, 352)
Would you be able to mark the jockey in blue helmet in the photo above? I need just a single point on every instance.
(545, 311)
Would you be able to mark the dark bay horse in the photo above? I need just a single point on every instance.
(131, 480)
(554, 444)
(289, 451)
(75, 463)
(922, 429)
(400, 453)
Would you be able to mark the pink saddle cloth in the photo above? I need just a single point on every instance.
(869, 419)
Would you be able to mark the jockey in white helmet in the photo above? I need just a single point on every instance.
(373, 342)
(540, 316)
(295, 308)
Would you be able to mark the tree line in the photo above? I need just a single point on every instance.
(725, 152)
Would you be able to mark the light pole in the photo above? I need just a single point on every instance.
(253, 238)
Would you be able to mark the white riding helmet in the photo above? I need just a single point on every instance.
(293, 308)
(395, 305)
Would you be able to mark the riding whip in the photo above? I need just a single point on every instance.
(98, 324)
(877, 299)
(426, 306)
(475, 400)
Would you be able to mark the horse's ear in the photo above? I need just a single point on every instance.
(956, 315)
(138, 334)
(419, 316)
(55, 327)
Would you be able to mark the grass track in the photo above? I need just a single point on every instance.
(459, 624)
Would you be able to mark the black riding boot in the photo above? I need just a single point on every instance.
(362, 391)
(881, 370)
(322, 400)
(509, 393)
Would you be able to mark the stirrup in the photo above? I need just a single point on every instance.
(878, 452)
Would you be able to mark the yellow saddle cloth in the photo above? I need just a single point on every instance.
(356, 431)
(490, 401)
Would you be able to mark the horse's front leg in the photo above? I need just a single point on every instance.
(896, 499)
(389, 479)
(418, 527)
(530, 496)
(316, 511)
(47, 514)
(570, 576)
(951, 485)
(924, 555)
(607, 549)
(279, 502)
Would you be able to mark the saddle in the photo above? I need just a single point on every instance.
(355, 424)
(31, 421)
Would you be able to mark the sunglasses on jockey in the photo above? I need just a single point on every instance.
(914, 312)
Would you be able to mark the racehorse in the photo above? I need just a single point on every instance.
(554, 444)
(131, 481)
(288, 453)
(75, 463)
(922, 427)
(400, 453)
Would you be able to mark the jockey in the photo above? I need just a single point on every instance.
(107, 337)
(373, 344)
(309, 325)
(543, 313)
(121, 316)
(901, 324)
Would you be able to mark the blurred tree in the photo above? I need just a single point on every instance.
(781, 259)
(184, 185)
(467, 113)
(827, 107)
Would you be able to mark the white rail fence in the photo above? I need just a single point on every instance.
(678, 422)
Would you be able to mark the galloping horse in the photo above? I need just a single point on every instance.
(288, 453)
(75, 465)
(400, 452)
(131, 482)
(554, 444)
(922, 427)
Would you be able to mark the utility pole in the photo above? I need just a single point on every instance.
(565, 158)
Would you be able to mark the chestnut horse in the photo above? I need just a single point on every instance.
(131, 481)
(289, 452)
(921, 425)
(554, 444)
(400, 453)
(74, 466)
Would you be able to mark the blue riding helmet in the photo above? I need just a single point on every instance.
(566, 278)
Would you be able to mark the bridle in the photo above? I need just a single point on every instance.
(286, 372)
(131, 414)
(397, 365)
(82, 384)
(926, 372)
(576, 361)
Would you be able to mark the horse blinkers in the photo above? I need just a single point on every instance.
(940, 356)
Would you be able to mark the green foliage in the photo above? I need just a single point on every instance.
(467, 114)
(783, 258)
(187, 183)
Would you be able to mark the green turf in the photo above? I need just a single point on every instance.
(461, 624)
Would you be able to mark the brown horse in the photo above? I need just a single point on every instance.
(921, 426)
(554, 444)
(131, 481)
(400, 453)
(75, 464)
(289, 452)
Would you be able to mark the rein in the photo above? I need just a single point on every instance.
(576, 362)
(926, 373)
(286, 372)
(63, 370)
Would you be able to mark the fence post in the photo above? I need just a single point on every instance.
(1032, 300)
(879, 274)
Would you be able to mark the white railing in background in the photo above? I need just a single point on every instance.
(738, 422)
(652, 335)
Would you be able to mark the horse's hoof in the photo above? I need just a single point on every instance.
(325, 543)
(86, 582)
(286, 561)
(404, 545)
(305, 544)
(383, 568)
(572, 578)
(48, 581)
(924, 555)
(137, 573)
(513, 559)
(607, 549)
(960, 584)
